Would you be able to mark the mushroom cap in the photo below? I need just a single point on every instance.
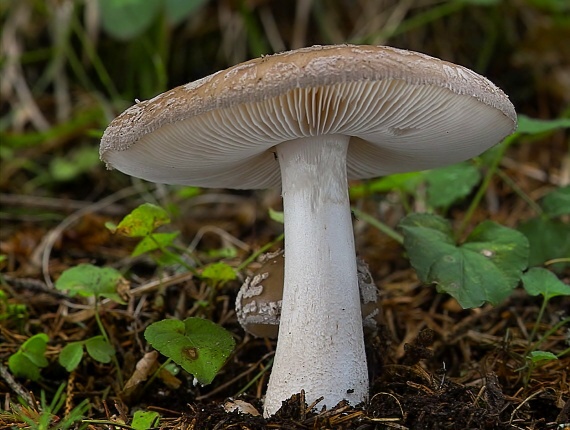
(403, 110)
(259, 300)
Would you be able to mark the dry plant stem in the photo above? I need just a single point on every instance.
(224, 235)
(557, 260)
(321, 344)
(14, 385)
(164, 282)
(41, 254)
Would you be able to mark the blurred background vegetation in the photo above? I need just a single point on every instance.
(67, 67)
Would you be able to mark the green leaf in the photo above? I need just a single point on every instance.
(420, 232)
(188, 192)
(74, 164)
(199, 346)
(276, 216)
(548, 240)
(127, 19)
(219, 273)
(34, 349)
(154, 241)
(30, 357)
(542, 281)
(23, 367)
(539, 356)
(557, 202)
(144, 420)
(483, 269)
(143, 220)
(178, 10)
(87, 280)
(404, 182)
(529, 125)
(99, 349)
(71, 355)
(450, 184)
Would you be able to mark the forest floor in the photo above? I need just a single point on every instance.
(432, 364)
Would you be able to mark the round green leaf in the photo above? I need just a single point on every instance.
(23, 367)
(548, 240)
(450, 184)
(197, 345)
(30, 357)
(99, 349)
(557, 202)
(420, 232)
(484, 269)
(71, 355)
(87, 280)
(34, 349)
(541, 281)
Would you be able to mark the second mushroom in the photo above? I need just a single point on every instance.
(329, 114)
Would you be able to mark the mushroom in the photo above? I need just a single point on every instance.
(258, 302)
(310, 120)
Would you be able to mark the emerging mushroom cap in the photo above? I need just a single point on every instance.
(259, 300)
(403, 111)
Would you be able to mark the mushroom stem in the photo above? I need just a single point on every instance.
(320, 346)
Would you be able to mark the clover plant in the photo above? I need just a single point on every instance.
(143, 222)
(87, 280)
(199, 346)
(30, 357)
